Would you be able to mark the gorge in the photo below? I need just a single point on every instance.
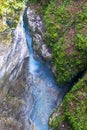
(44, 63)
(44, 93)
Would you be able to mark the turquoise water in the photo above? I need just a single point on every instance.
(44, 88)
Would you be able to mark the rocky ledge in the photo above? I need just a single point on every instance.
(12, 55)
(36, 25)
(14, 94)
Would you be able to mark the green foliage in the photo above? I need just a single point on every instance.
(42, 2)
(10, 9)
(66, 34)
(74, 108)
(8, 6)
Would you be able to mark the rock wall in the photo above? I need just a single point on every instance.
(36, 25)
(14, 86)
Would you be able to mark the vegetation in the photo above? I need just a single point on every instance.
(66, 34)
(9, 10)
(74, 108)
(42, 2)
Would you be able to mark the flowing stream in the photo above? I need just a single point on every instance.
(44, 88)
(42, 94)
(32, 82)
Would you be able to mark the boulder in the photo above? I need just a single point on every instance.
(37, 28)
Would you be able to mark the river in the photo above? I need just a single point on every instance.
(29, 91)
(44, 87)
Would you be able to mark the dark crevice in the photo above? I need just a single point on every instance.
(75, 79)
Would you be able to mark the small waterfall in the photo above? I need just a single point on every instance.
(33, 64)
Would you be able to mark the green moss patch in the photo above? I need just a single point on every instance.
(66, 34)
(10, 10)
(74, 108)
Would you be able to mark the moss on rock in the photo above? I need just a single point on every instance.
(10, 10)
(74, 108)
(66, 34)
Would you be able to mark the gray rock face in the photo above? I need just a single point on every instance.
(12, 56)
(14, 86)
(37, 29)
(16, 106)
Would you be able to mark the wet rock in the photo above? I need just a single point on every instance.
(12, 59)
(54, 70)
(14, 89)
(45, 52)
(9, 23)
(38, 29)
(16, 106)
